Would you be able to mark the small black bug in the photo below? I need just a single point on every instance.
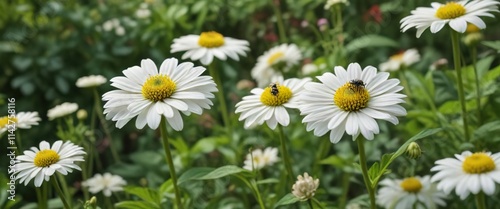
(357, 83)
(274, 89)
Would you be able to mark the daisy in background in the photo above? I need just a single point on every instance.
(90, 81)
(149, 94)
(456, 14)
(468, 173)
(41, 163)
(62, 110)
(205, 46)
(269, 104)
(107, 184)
(400, 60)
(23, 120)
(410, 193)
(350, 101)
(259, 158)
(271, 65)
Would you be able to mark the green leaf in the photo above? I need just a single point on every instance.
(387, 159)
(269, 181)
(487, 130)
(287, 200)
(333, 160)
(492, 44)
(223, 171)
(146, 194)
(370, 41)
(62, 85)
(135, 205)
(147, 158)
(208, 144)
(194, 174)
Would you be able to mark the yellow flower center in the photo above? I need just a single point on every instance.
(46, 157)
(471, 28)
(478, 163)
(211, 39)
(275, 95)
(4, 121)
(411, 185)
(158, 87)
(352, 96)
(274, 57)
(450, 10)
(398, 56)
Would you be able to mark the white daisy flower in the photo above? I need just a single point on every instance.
(305, 187)
(42, 163)
(270, 104)
(399, 60)
(90, 81)
(62, 110)
(454, 13)
(209, 44)
(259, 159)
(413, 192)
(23, 120)
(468, 173)
(309, 69)
(106, 184)
(350, 101)
(150, 94)
(271, 65)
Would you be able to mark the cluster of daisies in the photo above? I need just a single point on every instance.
(348, 100)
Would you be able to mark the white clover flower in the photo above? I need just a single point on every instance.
(305, 187)
(90, 81)
(456, 14)
(208, 45)
(330, 3)
(150, 94)
(41, 163)
(259, 159)
(107, 184)
(468, 173)
(62, 110)
(273, 62)
(410, 193)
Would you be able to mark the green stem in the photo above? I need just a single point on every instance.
(100, 114)
(18, 138)
(279, 21)
(456, 60)
(284, 152)
(220, 96)
(64, 186)
(346, 176)
(41, 196)
(56, 185)
(109, 204)
(309, 202)
(364, 169)
(480, 201)
(405, 84)
(478, 89)
(255, 190)
(170, 162)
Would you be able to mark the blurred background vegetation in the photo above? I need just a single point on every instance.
(45, 46)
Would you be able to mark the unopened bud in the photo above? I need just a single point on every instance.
(81, 114)
(413, 151)
(91, 204)
(472, 39)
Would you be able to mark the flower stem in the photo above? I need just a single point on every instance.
(279, 18)
(64, 187)
(170, 162)
(100, 114)
(309, 202)
(456, 61)
(41, 196)
(345, 189)
(284, 152)
(109, 204)
(473, 51)
(364, 169)
(61, 194)
(480, 202)
(220, 96)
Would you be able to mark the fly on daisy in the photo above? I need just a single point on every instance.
(269, 104)
(350, 101)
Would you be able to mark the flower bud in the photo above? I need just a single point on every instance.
(305, 187)
(472, 39)
(91, 204)
(81, 114)
(413, 151)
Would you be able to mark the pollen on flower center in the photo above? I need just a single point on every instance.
(450, 10)
(351, 97)
(46, 157)
(211, 39)
(280, 95)
(4, 121)
(411, 185)
(274, 57)
(478, 163)
(158, 87)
